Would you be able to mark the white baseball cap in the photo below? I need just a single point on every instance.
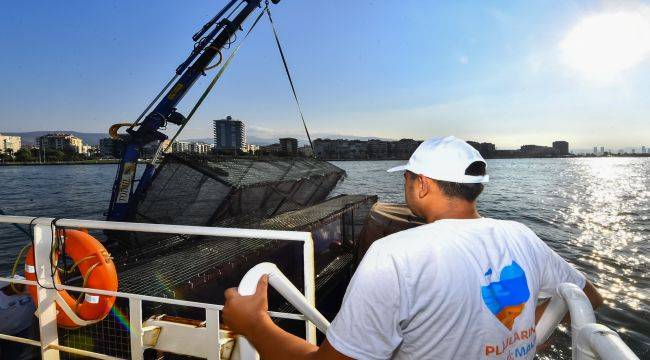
(446, 159)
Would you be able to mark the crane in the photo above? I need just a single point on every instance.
(209, 41)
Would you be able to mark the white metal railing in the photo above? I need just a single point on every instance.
(279, 282)
(589, 339)
(43, 230)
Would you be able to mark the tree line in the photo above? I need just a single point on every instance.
(38, 155)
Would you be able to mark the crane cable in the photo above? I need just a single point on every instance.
(286, 69)
(223, 68)
(207, 90)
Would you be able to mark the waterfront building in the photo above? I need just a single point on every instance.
(270, 149)
(377, 149)
(475, 145)
(562, 147)
(229, 135)
(110, 148)
(403, 148)
(602, 149)
(486, 149)
(643, 150)
(9, 144)
(288, 146)
(180, 147)
(340, 149)
(537, 150)
(61, 142)
(199, 148)
(166, 148)
(306, 151)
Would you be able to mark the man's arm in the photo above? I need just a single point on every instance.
(592, 294)
(248, 316)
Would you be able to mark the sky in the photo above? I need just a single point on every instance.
(507, 72)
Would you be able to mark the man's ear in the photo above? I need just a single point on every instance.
(424, 186)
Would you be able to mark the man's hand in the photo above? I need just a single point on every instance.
(248, 316)
(243, 314)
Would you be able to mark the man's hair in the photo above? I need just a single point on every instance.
(467, 192)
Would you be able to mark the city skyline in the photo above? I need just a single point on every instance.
(303, 141)
(520, 82)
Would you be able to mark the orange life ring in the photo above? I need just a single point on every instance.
(98, 270)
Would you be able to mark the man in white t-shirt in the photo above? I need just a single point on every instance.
(459, 287)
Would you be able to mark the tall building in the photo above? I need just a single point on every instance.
(288, 145)
(602, 149)
(229, 135)
(9, 144)
(562, 147)
(60, 141)
(595, 150)
(643, 150)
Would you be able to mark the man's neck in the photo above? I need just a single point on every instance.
(456, 209)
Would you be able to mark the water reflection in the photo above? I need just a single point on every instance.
(605, 210)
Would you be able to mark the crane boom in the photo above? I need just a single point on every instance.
(123, 198)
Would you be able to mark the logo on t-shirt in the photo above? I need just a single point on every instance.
(506, 297)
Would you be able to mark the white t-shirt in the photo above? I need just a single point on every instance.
(452, 289)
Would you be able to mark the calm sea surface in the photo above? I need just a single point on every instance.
(593, 212)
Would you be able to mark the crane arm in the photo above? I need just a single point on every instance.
(220, 31)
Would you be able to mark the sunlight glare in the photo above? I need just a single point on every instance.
(602, 46)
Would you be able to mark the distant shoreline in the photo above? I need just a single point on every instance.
(517, 157)
(85, 162)
(115, 161)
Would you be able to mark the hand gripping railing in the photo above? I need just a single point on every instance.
(244, 350)
(589, 340)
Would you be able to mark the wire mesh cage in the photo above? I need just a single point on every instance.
(201, 268)
(210, 190)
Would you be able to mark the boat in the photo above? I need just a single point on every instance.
(192, 226)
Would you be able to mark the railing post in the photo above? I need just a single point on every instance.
(46, 310)
(212, 326)
(551, 318)
(135, 333)
(310, 284)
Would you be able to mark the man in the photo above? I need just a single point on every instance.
(458, 287)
